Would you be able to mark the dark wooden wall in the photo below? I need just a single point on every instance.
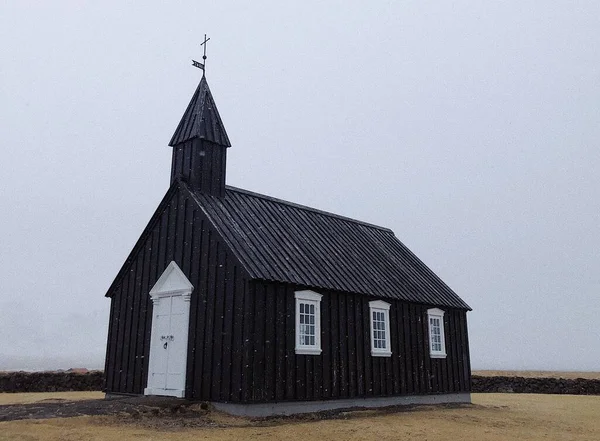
(201, 164)
(241, 337)
(345, 369)
(179, 231)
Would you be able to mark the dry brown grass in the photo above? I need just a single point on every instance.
(540, 374)
(493, 417)
(36, 397)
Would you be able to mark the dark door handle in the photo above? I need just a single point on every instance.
(165, 345)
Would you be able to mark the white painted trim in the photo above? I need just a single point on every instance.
(179, 393)
(303, 350)
(381, 306)
(307, 296)
(380, 353)
(183, 285)
(434, 354)
(437, 313)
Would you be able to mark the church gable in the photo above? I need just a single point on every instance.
(171, 235)
(181, 244)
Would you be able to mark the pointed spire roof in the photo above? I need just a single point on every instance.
(201, 120)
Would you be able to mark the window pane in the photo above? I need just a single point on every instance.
(306, 316)
(379, 330)
(436, 330)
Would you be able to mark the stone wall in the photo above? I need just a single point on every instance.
(94, 381)
(51, 381)
(521, 385)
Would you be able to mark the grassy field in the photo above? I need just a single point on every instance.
(492, 417)
(37, 397)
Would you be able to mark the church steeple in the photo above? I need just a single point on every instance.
(200, 141)
(200, 145)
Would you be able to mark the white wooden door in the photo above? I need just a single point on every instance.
(168, 346)
(177, 344)
(159, 350)
(169, 336)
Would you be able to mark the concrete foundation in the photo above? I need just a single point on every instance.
(298, 407)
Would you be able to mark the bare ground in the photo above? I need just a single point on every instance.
(64, 408)
(540, 374)
(492, 417)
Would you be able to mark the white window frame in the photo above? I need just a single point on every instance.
(310, 298)
(439, 314)
(380, 306)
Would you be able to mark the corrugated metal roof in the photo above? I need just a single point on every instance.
(201, 119)
(281, 241)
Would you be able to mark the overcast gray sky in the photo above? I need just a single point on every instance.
(470, 128)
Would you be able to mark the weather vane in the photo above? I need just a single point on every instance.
(197, 63)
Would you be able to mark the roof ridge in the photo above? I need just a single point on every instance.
(307, 208)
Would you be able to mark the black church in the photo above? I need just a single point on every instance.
(263, 306)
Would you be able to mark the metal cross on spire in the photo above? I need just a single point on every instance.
(197, 63)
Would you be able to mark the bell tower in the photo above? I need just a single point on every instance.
(200, 142)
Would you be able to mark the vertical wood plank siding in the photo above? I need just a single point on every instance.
(346, 369)
(201, 163)
(241, 336)
(181, 232)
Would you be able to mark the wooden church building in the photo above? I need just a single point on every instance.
(262, 306)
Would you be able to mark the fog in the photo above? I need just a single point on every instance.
(469, 128)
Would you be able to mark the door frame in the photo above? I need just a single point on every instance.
(172, 283)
